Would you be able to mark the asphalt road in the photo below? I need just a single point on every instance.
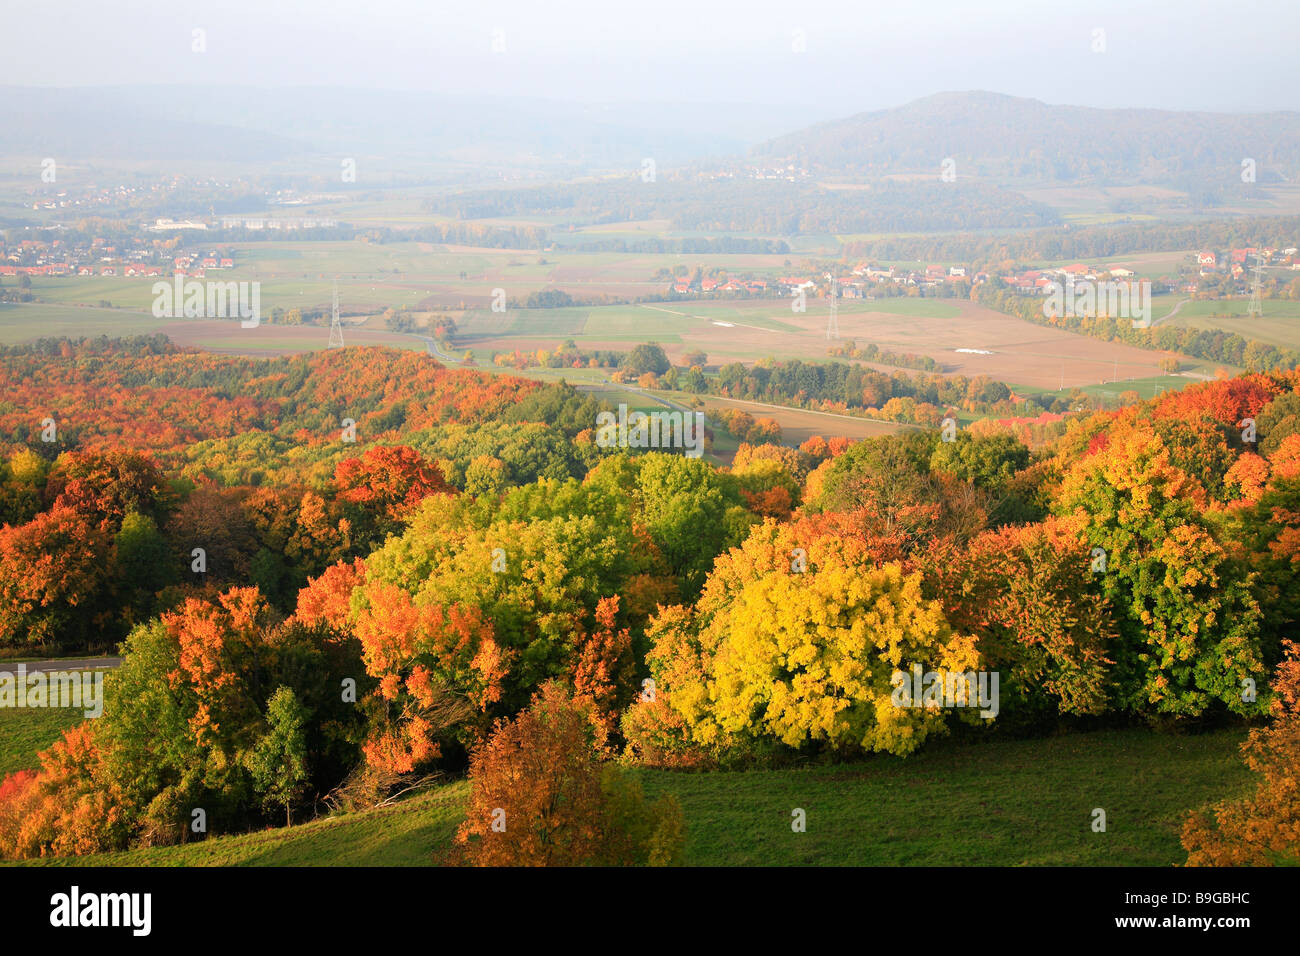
(60, 664)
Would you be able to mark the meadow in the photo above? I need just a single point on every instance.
(999, 802)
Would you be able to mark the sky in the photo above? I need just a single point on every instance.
(834, 57)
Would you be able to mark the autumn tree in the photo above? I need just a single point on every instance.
(1262, 828)
(1188, 626)
(384, 485)
(54, 572)
(541, 797)
(800, 648)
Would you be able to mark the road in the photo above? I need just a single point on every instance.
(60, 664)
(1171, 314)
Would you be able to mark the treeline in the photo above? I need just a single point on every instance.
(921, 399)
(1214, 345)
(873, 353)
(1081, 242)
(733, 245)
(767, 208)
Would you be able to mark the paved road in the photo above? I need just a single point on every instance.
(60, 664)
(435, 351)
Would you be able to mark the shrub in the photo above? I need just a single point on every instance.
(541, 797)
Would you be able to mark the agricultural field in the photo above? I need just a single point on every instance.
(1278, 325)
(434, 280)
(1000, 346)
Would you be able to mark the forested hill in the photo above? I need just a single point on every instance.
(990, 134)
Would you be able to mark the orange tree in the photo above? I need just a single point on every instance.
(541, 797)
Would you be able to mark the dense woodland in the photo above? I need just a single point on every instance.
(472, 575)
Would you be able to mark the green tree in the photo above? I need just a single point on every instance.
(278, 762)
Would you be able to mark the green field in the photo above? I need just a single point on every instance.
(1278, 325)
(999, 802)
(22, 322)
(24, 732)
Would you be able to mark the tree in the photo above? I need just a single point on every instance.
(683, 504)
(53, 576)
(1189, 626)
(1263, 828)
(143, 563)
(278, 761)
(649, 357)
(804, 657)
(540, 797)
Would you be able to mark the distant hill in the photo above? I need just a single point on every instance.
(1011, 138)
(248, 124)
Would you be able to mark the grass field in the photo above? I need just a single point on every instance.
(1278, 325)
(22, 322)
(24, 732)
(1007, 802)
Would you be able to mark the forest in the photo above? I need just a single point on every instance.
(331, 576)
(774, 208)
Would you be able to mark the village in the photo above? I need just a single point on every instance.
(134, 257)
(1226, 273)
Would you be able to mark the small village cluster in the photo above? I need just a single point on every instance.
(131, 258)
(1234, 266)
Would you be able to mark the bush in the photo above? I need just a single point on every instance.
(541, 797)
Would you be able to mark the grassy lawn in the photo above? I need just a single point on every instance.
(24, 732)
(1008, 802)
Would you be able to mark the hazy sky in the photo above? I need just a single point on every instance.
(1180, 54)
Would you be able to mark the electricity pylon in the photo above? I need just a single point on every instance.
(336, 327)
(833, 322)
(1256, 307)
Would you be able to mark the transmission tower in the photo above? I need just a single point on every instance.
(336, 327)
(833, 322)
(1256, 307)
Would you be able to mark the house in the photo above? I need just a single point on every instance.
(108, 271)
(1122, 273)
(1206, 259)
(959, 271)
(227, 263)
